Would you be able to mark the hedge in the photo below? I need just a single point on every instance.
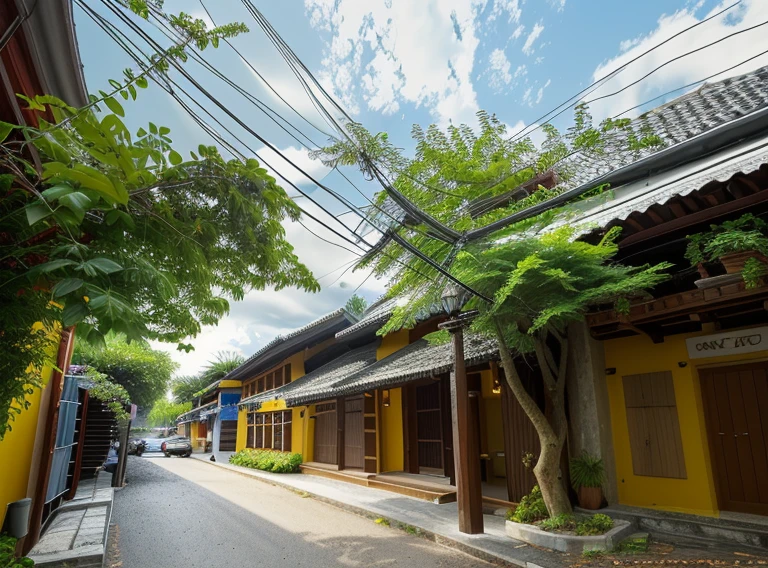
(267, 460)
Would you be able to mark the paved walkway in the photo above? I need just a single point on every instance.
(76, 533)
(438, 522)
(184, 513)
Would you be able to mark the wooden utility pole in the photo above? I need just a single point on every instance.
(466, 453)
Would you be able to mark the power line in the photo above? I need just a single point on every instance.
(590, 88)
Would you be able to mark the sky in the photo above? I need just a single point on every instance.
(395, 63)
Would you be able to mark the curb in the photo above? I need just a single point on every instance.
(427, 534)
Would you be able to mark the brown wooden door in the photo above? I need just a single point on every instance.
(429, 428)
(354, 456)
(228, 436)
(325, 433)
(520, 438)
(736, 409)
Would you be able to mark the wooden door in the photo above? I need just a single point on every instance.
(736, 410)
(354, 455)
(325, 433)
(228, 436)
(429, 428)
(520, 438)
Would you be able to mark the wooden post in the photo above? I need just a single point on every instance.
(341, 410)
(466, 453)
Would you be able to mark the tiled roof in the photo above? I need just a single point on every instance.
(319, 382)
(416, 361)
(282, 342)
(378, 314)
(191, 415)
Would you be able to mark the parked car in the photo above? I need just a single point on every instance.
(153, 444)
(177, 447)
(137, 446)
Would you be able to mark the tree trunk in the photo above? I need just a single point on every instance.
(551, 436)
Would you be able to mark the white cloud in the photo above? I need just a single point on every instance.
(377, 54)
(518, 32)
(689, 69)
(559, 5)
(528, 48)
(540, 93)
(498, 70)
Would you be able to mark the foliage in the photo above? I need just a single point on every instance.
(356, 305)
(8, 557)
(122, 231)
(267, 460)
(530, 509)
(594, 525)
(144, 372)
(752, 271)
(740, 235)
(26, 350)
(382, 521)
(185, 388)
(164, 412)
(189, 387)
(463, 179)
(558, 523)
(587, 471)
(115, 396)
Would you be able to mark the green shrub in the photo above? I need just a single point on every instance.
(587, 471)
(564, 522)
(267, 460)
(8, 554)
(530, 509)
(594, 525)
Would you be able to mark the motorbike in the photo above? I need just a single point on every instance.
(137, 447)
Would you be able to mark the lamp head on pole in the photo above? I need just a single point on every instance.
(452, 299)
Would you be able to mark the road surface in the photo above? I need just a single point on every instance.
(182, 513)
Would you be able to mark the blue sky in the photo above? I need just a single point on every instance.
(393, 63)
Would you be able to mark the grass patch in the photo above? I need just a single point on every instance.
(267, 460)
(382, 521)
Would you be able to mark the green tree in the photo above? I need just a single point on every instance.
(187, 388)
(164, 412)
(124, 233)
(145, 373)
(356, 305)
(464, 180)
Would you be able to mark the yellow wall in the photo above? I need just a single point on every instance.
(242, 417)
(634, 355)
(193, 434)
(16, 448)
(391, 436)
(229, 384)
(391, 343)
(297, 431)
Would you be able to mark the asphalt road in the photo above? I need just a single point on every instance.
(183, 513)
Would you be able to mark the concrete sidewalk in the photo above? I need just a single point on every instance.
(76, 533)
(436, 522)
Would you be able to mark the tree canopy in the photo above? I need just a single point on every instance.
(164, 412)
(532, 279)
(187, 388)
(145, 373)
(356, 305)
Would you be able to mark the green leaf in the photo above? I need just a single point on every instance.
(141, 133)
(74, 313)
(114, 106)
(152, 128)
(64, 287)
(132, 90)
(104, 265)
(164, 130)
(54, 265)
(76, 202)
(36, 212)
(124, 94)
(142, 82)
(5, 129)
(174, 157)
(115, 215)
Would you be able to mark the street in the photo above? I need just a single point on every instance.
(183, 513)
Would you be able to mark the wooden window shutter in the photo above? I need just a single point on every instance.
(654, 428)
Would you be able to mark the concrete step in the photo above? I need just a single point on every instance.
(696, 530)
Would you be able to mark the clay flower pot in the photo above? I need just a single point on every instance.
(734, 262)
(590, 497)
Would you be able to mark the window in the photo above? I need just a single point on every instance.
(269, 430)
(277, 378)
(654, 428)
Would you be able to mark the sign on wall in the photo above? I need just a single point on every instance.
(728, 343)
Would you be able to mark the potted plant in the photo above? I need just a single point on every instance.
(740, 245)
(587, 476)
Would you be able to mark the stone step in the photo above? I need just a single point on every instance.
(707, 532)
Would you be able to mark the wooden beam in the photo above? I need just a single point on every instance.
(695, 218)
(341, 412)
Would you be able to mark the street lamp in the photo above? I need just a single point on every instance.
(466, 454)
